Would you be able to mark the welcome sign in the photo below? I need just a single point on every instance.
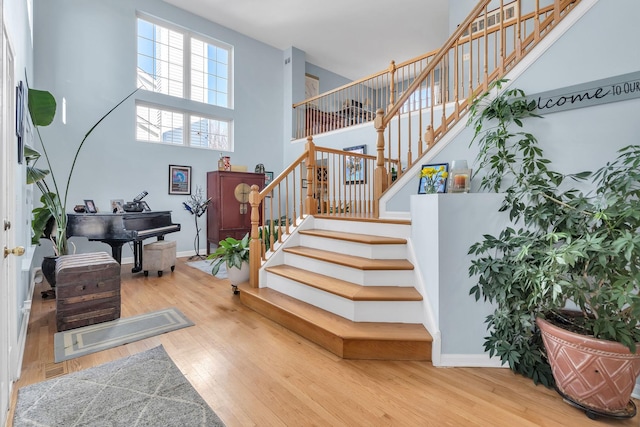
(612, 89)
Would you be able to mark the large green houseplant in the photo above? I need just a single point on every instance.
(574, 242)
(50, 219)
(234, 254)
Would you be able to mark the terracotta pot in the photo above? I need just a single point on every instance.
(237, 276)
(594, 374)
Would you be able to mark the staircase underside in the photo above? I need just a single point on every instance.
(346, 339)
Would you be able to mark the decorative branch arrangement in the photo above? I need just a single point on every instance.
(197, 206)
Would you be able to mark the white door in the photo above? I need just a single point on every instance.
(8, 262)
(5, 386)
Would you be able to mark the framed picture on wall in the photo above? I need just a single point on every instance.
(180, 180)
(268, 177)
(311, 87)
(355, 167)
(21, 111)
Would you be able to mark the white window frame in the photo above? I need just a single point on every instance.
(186, 124)
(186, 52)
(185, 105)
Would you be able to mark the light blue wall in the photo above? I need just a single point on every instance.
(85, 52)
(328, 80)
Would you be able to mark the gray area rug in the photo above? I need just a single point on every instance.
(205, 265)
(146, 389)
(101, 336)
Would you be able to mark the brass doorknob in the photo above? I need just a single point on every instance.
(17, 251)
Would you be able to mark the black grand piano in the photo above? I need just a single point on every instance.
(116, 229)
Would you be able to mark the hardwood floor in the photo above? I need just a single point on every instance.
(253, 372)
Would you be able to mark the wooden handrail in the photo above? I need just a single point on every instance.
(435, 61)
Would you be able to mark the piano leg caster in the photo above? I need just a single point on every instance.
(235, 289)
(173, 268)
(146, 273)
(160, 273)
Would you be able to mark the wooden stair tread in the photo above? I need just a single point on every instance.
(338, 325)
(355, 237)
(348, 290)
(350, 260)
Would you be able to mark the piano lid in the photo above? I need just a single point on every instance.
(118, 226)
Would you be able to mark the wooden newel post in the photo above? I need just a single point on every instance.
(255, 246)
(380, 174)
(310, 204)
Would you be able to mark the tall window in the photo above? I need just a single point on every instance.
(163, 57)
(209, 73)
(174, 62)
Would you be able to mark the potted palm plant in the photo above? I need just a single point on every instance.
(50, 219)
(234, 254)
(569, 261)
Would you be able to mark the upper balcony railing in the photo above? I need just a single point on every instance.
(358, 101)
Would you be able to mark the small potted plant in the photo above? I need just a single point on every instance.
(234, 254)
(564, 249)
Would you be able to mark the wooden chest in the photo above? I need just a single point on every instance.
(87, 290)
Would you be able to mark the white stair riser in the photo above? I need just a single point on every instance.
(356, 311)
(389, 311)
(354, 275)
(354, 248)
(381, 229)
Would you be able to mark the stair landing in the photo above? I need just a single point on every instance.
(346, 339)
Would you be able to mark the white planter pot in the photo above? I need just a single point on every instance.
(237, 276)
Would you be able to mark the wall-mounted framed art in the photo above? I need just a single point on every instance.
(180, 180)
(356, 167)
(268, 177)
(311, 87)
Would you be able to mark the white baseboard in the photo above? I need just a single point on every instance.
(26, 313)
(470, 361)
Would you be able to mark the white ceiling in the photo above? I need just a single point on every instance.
(353, 38)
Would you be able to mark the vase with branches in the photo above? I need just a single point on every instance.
(196, 206)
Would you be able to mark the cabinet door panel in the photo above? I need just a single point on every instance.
(224, 216)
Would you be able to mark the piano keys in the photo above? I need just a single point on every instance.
(116, 229)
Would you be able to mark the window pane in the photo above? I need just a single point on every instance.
(207, 60)
(155, 125)
(222, 55)
(210, 133)
(160, 59)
